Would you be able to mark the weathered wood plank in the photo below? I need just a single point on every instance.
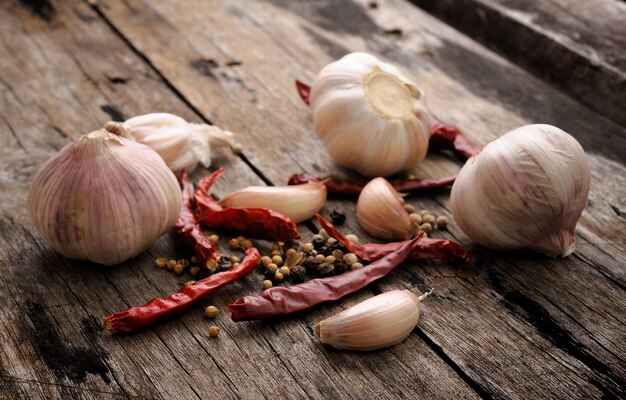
(56, 85)
(459, 76)
(578, 46)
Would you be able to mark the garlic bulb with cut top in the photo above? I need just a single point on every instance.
(525, 190)
(370, 116)
(104, 198)
(180, 143)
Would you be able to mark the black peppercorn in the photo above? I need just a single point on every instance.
(298, 273)
(310, 264)
(340, 267)
(318, 242)
(224, 263)
(338, 216)
(326, 269)
(325, 250)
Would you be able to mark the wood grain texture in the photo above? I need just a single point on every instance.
(513, 326)
(576, 45)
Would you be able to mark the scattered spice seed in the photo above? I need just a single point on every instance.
(429, 219)
(171, 264)
(330, 259)
(233, 244)
(350, 258)
(272, 269)
(338, 254)
(161, 262)
(276, 253)
(442, 222)
(417, 218)
(426, 227)
(424, 212)
(246, 244)
(211, 265)
(284, 270)
(323, 234)
(298, 273)
(211, 312)
(276, 246)
(189, 283)
(331, 241)
(353, 238)
(235, 259)
(267, 284)
(356, 266)
(194, 271)
(277, 260)
(307, 247)
(214, 238)
(338, 216)
(178, 269)
(290, 252)
(195, 259)
(278, 277)
(266, 260)
(240, 239)
(214, 331)
(320, 257)
(409, 208)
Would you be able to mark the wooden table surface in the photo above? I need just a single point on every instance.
(514, 325)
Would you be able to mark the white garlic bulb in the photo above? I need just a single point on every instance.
(298, 202)
(370, 116)
(380, 213)
(375, 323)
(526, 189)
(104, 198)
(180, 143)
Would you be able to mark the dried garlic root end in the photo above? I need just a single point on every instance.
(117, 128)
(388, 95)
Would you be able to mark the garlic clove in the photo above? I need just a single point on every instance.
(181, 144)
(298, 202)
(373, 324)
(104, 198)
(526, 189)
(381, 214)
(370, 116)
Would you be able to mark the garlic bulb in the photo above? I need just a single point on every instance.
(180, 143)
(526, 189)
(375, 323)
(380, 213)
(104, 198)
(370, 116)
(298, 202)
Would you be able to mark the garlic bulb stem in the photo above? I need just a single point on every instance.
(298, 202)
(104, 198)
(381, 214)
(375, 323)
(526, 189)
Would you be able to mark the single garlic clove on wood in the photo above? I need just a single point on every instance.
(298, 202)
(525, 190)
(180, 143)
(381, 214)
(375, 323)
(370, 116)
(104, 198)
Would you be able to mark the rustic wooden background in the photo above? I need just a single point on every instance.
(515, 325)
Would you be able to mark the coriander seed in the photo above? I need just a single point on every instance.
(233, 244)
(356, 266)
(320, 257)
(307, 247)
(272, 268)
(276, 253)
(195, 259)
(277, 260)
(240, 239)
(235, 260)
(416, 217)
(338, 254)
(353, 238)
(424, 212)
(178, 269)
(194, 271)
(409, 208)
(290, 252)
(278, 277)
(214, 331)
(266, 260)
(426, 227)
(330, 259)
(284, 270)
(171, 264)
(214, 238)
(161, 262)
(211, 312)
(267, 284)
(246, 244)
(442, 222)
(429, 219)
(350, 258)
(324, 234)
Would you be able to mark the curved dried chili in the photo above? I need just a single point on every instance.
(427, 248)
(188, 226)
(259, 223)
(159, 309)
(287, 300)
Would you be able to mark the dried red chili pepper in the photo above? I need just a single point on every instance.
(442, 136)
(286, 300)
(159, 309)
(252, 222)
(351, 188)
(427, 248)
(188, 226)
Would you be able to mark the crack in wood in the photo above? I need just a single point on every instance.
(44, 9)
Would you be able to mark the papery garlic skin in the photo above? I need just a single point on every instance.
(525, 190)
(370, 116)
(180, 143)
(298, 202)
(380, 213)
(373, 324)
(104, 198)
